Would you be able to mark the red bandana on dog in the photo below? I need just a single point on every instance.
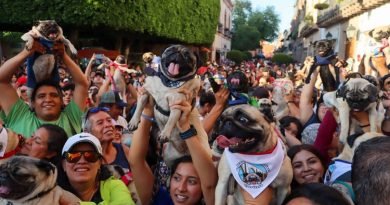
(254, 173)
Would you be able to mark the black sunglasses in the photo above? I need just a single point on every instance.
(74, 157)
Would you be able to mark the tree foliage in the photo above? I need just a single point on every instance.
(281, 58)
(250, 27)
(191, 22)
(238, 56)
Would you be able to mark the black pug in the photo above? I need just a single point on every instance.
(325, 56)
(238, 85)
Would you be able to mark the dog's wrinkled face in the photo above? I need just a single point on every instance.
(20, 176)
(242, 128)
(265, 107)
(238, 82)
(49, 29)
(380, 33)
(178, 62)
(358, 93)
(323, 47)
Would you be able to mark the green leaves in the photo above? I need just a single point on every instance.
(189, 21)
(252, 26)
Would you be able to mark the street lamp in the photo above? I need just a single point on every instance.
(329, 36)
(351, 32)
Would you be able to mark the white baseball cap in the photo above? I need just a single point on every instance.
(82, 137)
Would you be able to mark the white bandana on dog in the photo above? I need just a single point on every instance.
(254, 173)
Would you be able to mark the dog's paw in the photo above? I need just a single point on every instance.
(133, 124)
(164, 136)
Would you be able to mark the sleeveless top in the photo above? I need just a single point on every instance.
(120, 158)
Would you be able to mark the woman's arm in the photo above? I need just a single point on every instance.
(305, 102)
(88, 70)
(200, 156)
(143, 175)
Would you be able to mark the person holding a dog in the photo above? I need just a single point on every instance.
(193, 178)
(46, 99)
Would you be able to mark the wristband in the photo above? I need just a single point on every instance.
(290, 102)
(189, 133)
(150, 119)
(364, 125)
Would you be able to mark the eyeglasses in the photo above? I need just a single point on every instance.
(74, 157)
(95, 110)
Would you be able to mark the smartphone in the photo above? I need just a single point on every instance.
(99, 56)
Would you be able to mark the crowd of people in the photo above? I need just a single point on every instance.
(81, 126)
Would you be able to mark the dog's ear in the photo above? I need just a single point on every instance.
(373, 92)
(199, 61)
(46, 166)
(342, 91)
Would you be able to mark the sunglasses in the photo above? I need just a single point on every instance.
(23, 91)
(74, 157)
(95, 110)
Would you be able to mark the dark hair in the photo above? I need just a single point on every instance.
(45, 83)
(176, 162)
(292, 151)
(319, 194)
(371, 171)
(69, 86)
(382, 80)
(286, 121)
(207, 97)
(56, 141)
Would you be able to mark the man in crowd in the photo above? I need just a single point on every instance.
(46, 100)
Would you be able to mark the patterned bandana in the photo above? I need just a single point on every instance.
(254, 173)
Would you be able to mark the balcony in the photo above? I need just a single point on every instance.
(329, 17)
(307, 30)
(228, 33)
(371, 4)
(351, 8)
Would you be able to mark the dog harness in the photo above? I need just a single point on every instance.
(55, 76)
(255, 172)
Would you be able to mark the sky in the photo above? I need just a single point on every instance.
(285, 9)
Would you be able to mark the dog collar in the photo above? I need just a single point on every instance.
(16, 150)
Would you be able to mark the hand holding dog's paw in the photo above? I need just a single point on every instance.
(36, 47)
(185, 107)
(59, 48)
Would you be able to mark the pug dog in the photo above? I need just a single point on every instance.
(43, 66)
(281, 88)
(119, 173)
(325, 60)
(10, 143)
(30, 181)
(253, 155)
(376, 60)
(356, 94)
(174, 81)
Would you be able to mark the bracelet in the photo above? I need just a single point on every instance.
(364, 125)
(290, 102)
(189, 133)
(150, 119)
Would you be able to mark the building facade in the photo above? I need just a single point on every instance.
(223, 36)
